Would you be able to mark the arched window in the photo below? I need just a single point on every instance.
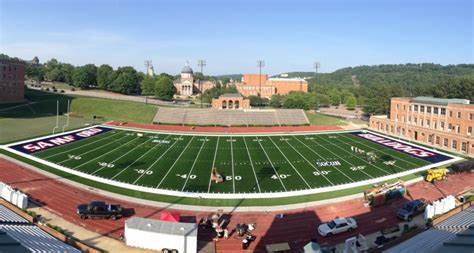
(236, 104)
(224, 104)
(230, 104)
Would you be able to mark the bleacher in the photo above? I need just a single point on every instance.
(434, 238)
(17, 234)
(214, 117)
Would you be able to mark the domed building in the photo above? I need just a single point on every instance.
(187, 86)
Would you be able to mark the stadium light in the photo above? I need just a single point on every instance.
(201, 64)
(260, 64)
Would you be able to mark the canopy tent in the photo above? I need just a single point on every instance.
(168, 216)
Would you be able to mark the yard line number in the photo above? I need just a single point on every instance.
(143, 172)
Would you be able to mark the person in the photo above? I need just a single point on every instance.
(226, 233)
(220, 232)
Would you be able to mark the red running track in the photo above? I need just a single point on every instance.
(296, 227)
(230, 130)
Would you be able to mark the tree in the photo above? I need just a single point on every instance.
(257, 101)
(148, 85)
(105, 76)
(276, 101)
(85, 76)
(164, 88)
(351, 103)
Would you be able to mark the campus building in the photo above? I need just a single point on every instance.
(437, 122)
(12, 80)
(186, 85)
(230, 101)
(255, 84)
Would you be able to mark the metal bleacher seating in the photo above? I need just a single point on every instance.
(213, 117)
(17, 234)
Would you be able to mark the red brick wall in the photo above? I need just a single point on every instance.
(12, 81)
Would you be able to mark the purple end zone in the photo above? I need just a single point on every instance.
(418, 152)
(59, 140)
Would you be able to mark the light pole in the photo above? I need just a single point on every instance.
(260, 64)
(201, 64)
(316, 67)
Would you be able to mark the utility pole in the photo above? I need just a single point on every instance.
(201, 64)
(260, 64)
(316, 67)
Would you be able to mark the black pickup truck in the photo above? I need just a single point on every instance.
(99, 209)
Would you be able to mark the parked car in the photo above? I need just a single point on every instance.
(99, 209)
(411, 209)
(337, 226)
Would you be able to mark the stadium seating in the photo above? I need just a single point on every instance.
(6, 215)
(251, 117)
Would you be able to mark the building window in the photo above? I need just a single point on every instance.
(464, 147)
(454, 144)
(404, 107)
(398, 106)
(415, 108)
(428, 109)
(430, 138)
(469, 130)
(409, 119)
(443, 111)
(421, 122)
(422, 108)
(428, 123)
(437, 140)
(450, 113)
(441, 124)
(471, 116)
(450, 127)
(459, 115)
(445, 142)
(435, 110)
(416, 120)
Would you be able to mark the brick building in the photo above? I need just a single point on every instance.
(12, 80)
(255, 84)
(231, 101)
(440, 123)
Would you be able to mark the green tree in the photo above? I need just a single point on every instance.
(276, 101)
(258, 101)
(351, 103)
(105, 76)
(164, 88)
(148, 85)
(85, 76)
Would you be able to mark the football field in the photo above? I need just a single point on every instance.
(250, 164)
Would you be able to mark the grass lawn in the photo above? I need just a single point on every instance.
(317, 119)
(22, 121)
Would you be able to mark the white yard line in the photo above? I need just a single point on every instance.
(213, 163)
(350, 178)
(194, 163)
(370, 176)
(361, 143)
(94, 149)
(273, 167)
(309, 186)
(352, 154)
(106, 153)
(176, 161)
(69, 150)
(126, 153)
(232, 162)
(153, 164)
(251, 164)
(309, 162)
(136, 160)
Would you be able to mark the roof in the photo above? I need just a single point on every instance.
(231, 95)
(163, 227)
(8, 244)
(441, 235)
(462, 243)
(187, 69)
(439, 101)
(287, 79)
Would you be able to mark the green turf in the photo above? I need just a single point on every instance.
(249, 163)
(318, 119)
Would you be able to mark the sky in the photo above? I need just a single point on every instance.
(232, 35)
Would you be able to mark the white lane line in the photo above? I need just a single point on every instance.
(352, 154)
(144, 154)
(126, 153)
(94, 149)
(322, 158)
(194, 163)
(87, 144)
(341, 158)
(106, 153)
(401, 159)
(251, 164)
(309, 162)
(309, 187)
(176, 161)
(273, 167)
(213, 163)
(153, 164)
(232, 162)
